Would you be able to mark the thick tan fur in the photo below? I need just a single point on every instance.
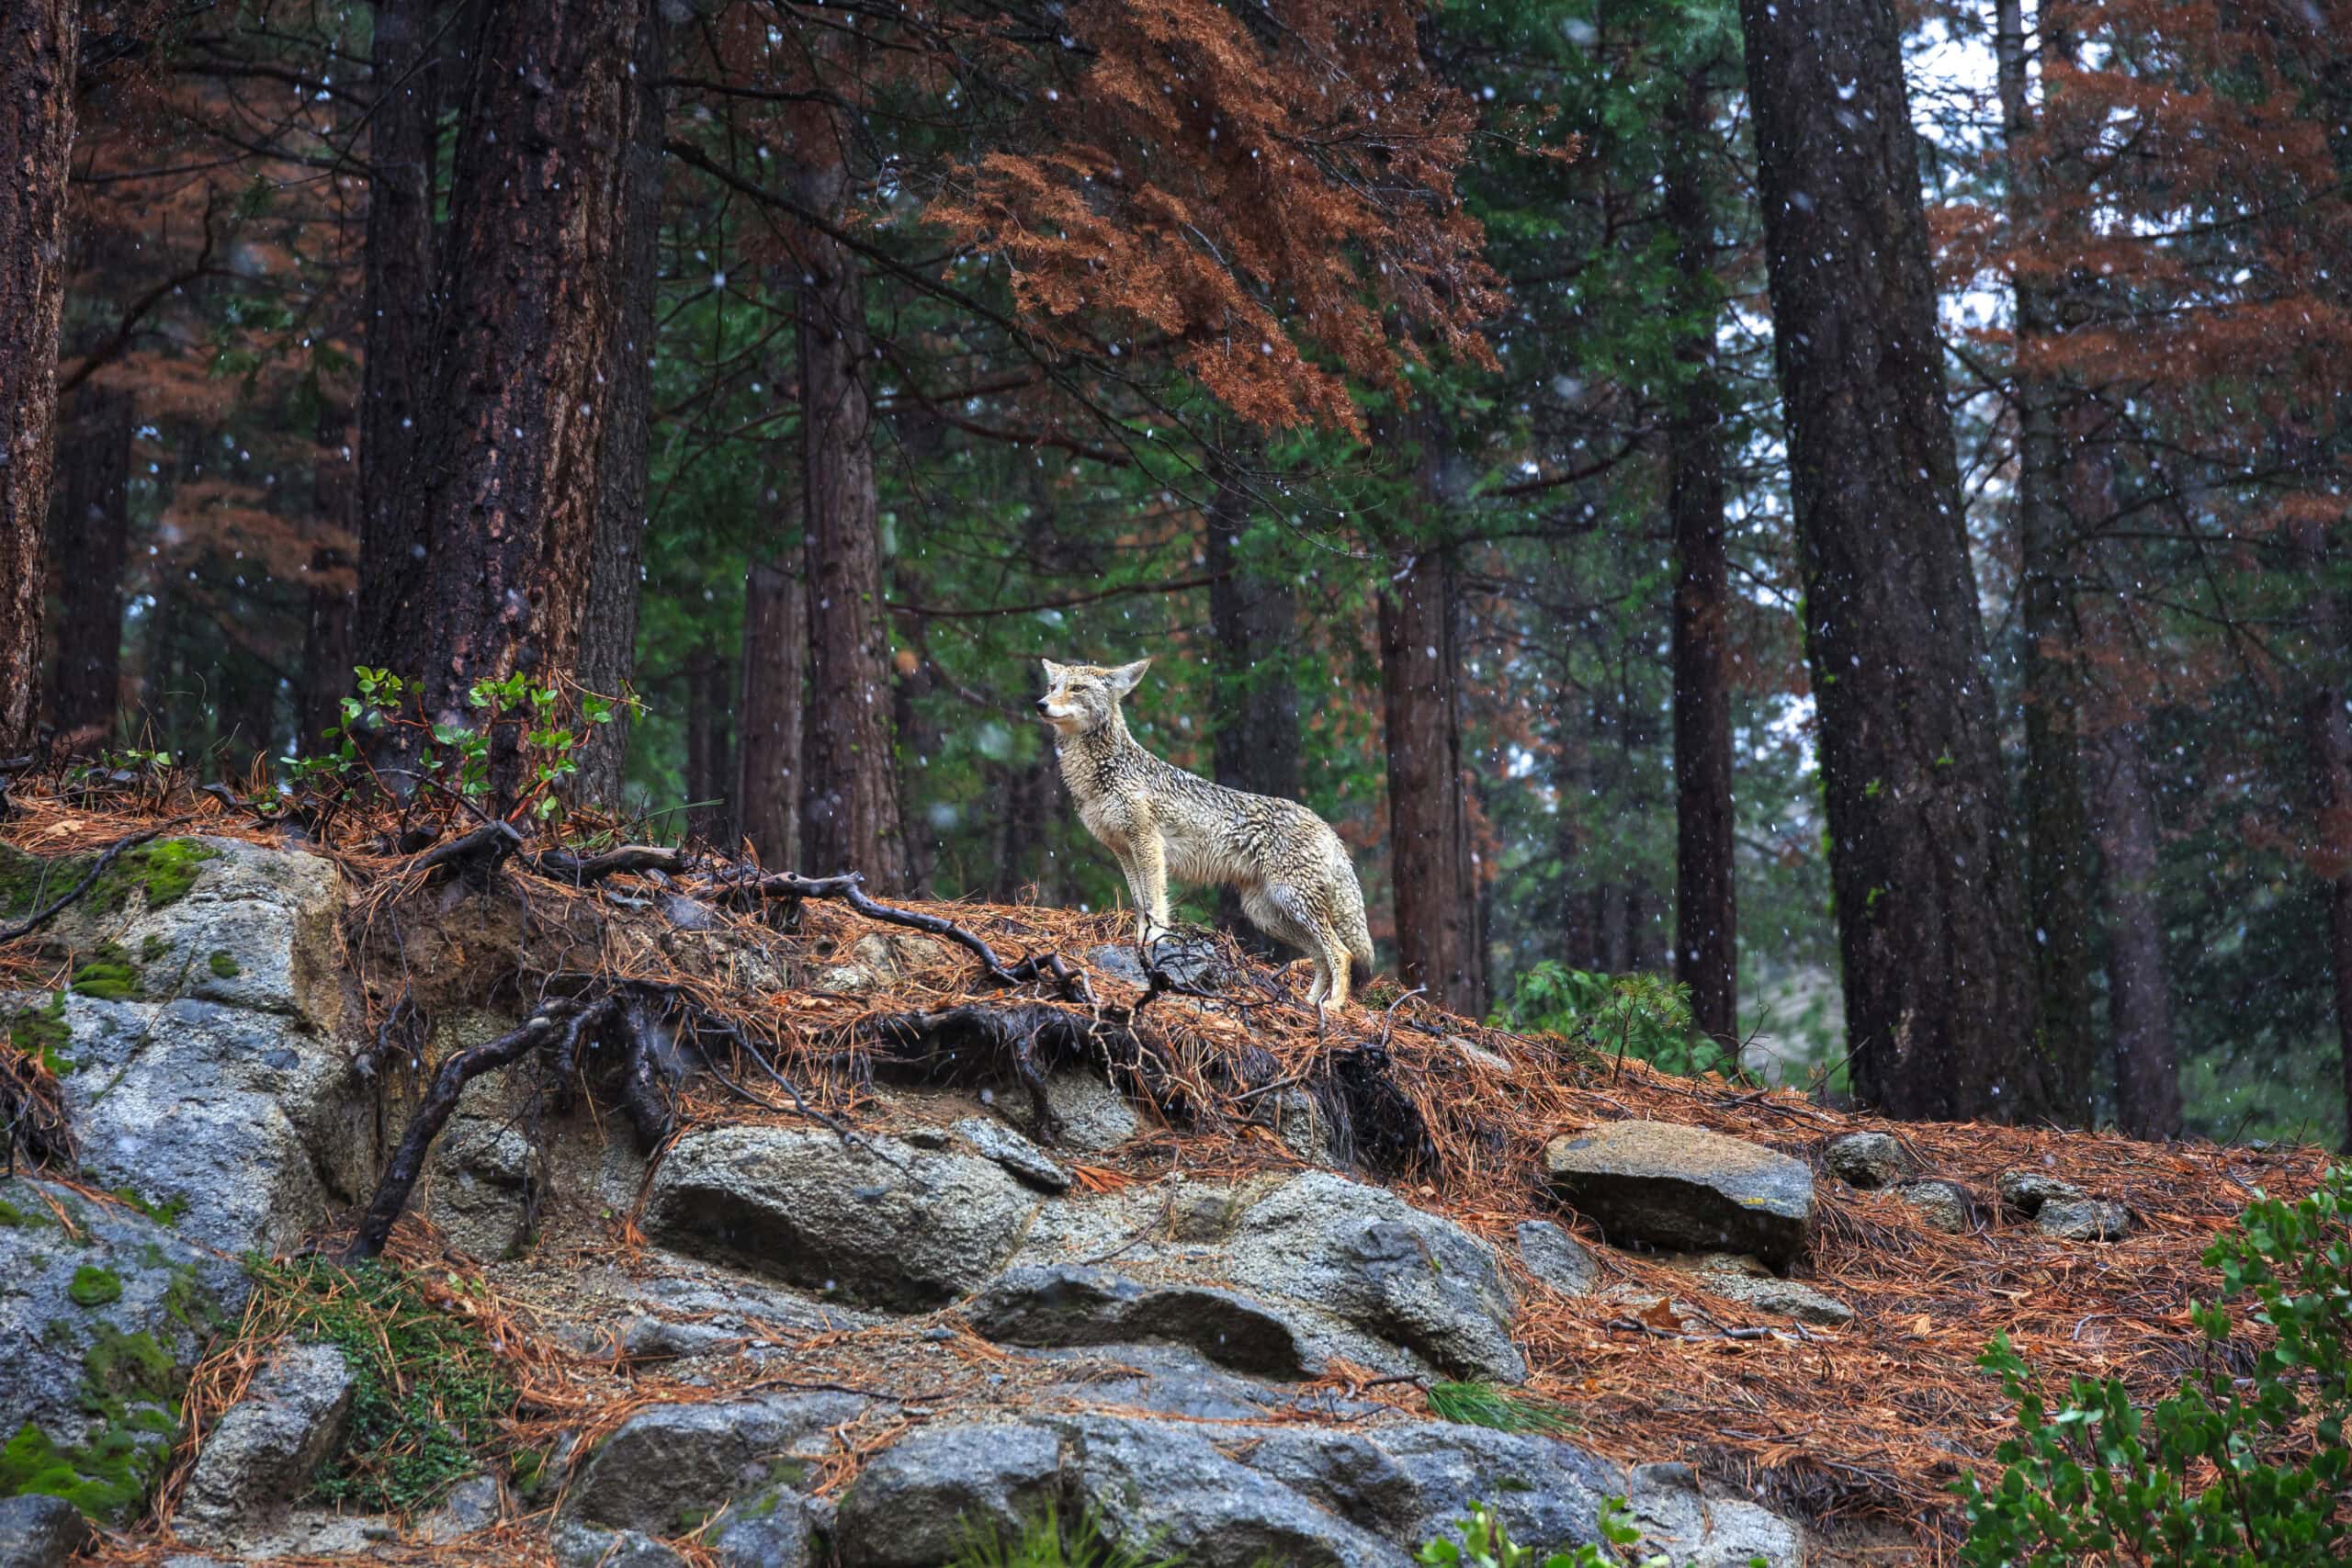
(1295, 880)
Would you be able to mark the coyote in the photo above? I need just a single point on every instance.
(1292, 873)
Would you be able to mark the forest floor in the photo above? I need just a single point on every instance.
(1860, 1428)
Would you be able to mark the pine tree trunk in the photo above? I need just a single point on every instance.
(1579, 946)
(1427, 823)
(400, 303)
(328, 653)
(508, 499)
(849, 815)
(608, 631)
(2139, 1000)
(1706, 917)
(93, 551)
(2058, 867)
(37, 56)
(776, 659)
(710, 766)
(1253, 620)
(1930, 910)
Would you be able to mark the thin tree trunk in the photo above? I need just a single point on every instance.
(1428, 828)
(400, 303)
(2139, 999)
(776, 656)
(1706, 918)
(849, 815)
(710, 769)
(507, 501)
(917, 745)
(37, 57)
(608, 631)
(1252, 621)
(327, 640)
(2059, 868)
(1572, 836)
(93, 551)
(1930, 909)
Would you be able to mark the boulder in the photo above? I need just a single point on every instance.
(1172, 1491)
(1558, 1259)
(260, 1457)
(1412, 1483)
(916, 1501)
(773, 1531)
(1942, 1205)
(1684, 1189)
(575, 1545)
(38, 1532)
(100, 1325)
(1065, 1305)
(1015, 1153)
(1365, 1256)
(1696, 1527)
(2063, 1209)
(670, 1468)
(471, 1505)
(1750, 1283)
(196, 1041)
(1869, 1160)
(879, 1222)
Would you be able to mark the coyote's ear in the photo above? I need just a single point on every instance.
(1127, 677)
(1053, 671)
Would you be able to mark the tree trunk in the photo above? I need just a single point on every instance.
(710, 768)
(917, 744)
(1706, 921)
(1429, 835)
(37, 57)
(2139, 999)
(849, 815)
(608, 631)
(1252, 622)
(327, 638)
(507, 501)
(92, 550)
(398, 300)
(1931, 913)
(1579, 945)
(776, 658)
(2058, 860)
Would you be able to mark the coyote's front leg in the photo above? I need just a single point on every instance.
(1151, 875)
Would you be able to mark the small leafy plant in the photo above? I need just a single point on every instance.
(2230, 1470)
(544, 725)
(1646, 1017)
(1046, 1541)
(1486, 1543)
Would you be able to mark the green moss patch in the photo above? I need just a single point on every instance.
(162, 872)
(130, 1386)
(94, 1287)
(107, 976)
(224, 964)
(166, 1214)
(428, 1389)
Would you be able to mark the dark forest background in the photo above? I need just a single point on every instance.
(1841, 504)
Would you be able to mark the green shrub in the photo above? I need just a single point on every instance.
(2244, 1469)
(1485, 1543)
(1646, 1017)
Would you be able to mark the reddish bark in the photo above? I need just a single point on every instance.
(776, 659)
(1429, 831)
(93, 550)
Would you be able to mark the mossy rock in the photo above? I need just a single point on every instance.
(162, 873)
(94, 1286)
(107, 974)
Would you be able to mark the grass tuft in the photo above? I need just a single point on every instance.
(1047, 1541)
(1486, 1405)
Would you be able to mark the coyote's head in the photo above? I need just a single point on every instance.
(1081, 698)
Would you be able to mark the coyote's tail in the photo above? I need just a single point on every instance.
(1356, 934)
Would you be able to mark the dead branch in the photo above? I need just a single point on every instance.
(581, 871)
(475, 854)
(849, 889)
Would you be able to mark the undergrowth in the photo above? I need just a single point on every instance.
(429, 1391)
(1487, 1404)
(1046, 1541)
(2231, 1469)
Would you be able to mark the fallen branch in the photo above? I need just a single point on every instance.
(476, 854)
(581, 871)
(849, 889)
